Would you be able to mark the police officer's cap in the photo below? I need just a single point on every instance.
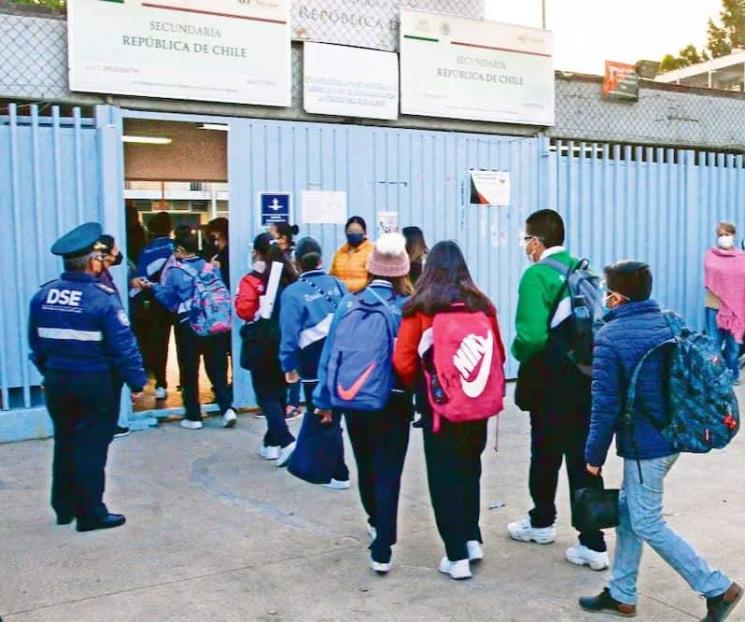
(80, 241)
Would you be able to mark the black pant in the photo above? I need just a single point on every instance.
(158, 327)
(312, 420)
(81, 406)
(190, 348)
(271, 396)
(558, 434)
(453, 458)
(379, 441)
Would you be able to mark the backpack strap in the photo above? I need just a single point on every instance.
(387, 303)
(565, 271)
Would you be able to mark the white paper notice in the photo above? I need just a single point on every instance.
(323, 207)
(387, 222)
(490, 188)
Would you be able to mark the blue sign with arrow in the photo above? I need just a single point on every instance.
(275, 207)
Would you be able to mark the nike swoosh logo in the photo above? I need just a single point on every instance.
(476, 387)
(349, 394)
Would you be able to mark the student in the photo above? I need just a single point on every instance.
(218, 232)
(724, 277)
(285, 234)
(267, 377)
(453, 453)
(308, 307)
(552, 388)
(350, 261)
(159, 320)
(634, 326)
(417, 249)
(379, 438)
(113, 257)
(176, 295)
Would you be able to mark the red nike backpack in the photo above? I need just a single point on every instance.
(464, 369)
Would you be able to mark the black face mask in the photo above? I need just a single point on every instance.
(118, 260)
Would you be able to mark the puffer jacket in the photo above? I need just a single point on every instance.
(630, 332)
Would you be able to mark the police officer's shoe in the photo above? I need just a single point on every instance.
(101, 522)
(64, 519)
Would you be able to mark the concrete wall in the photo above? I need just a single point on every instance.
(33, 66)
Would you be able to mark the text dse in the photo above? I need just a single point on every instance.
(65, 297)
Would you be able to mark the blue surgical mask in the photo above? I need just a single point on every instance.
(355, 239)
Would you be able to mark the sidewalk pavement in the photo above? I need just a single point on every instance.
(216, 533)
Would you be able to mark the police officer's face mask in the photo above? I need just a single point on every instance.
(118, 259)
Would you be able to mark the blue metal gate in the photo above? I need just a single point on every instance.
(656, 205)
(424, 176)
(52, 177)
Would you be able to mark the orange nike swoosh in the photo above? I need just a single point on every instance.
(349, 394)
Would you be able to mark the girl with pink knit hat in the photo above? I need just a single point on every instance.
(379, 437)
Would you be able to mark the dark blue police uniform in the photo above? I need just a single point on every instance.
(82, 344)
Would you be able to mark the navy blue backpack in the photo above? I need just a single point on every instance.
(703, 412)
(360, 367)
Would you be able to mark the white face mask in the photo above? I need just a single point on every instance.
(726, 242)
(259, 266)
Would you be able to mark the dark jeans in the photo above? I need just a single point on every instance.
(158, 334)
(556, 435)
(191, 347)
(379, 441)
(81, 406)
(311, 419)
(271, 397)
(293, 394)
(453, 458)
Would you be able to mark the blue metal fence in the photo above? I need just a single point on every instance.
(49, 181)
(424, 176)
(659, 205)
(656, 205)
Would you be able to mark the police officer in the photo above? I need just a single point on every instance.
(82, 344)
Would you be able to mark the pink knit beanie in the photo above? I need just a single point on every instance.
(389, 258)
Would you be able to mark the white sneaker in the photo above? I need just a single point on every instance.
(372, 532)
(379, 567)
(335, 484)
(285, 454)
(269, 453)
(475, 551)
(457, 570)
(522, 531)
(582, 556)
(188, 424)
(160, 393)
(229, 419)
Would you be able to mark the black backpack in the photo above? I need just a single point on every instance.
(583, 287)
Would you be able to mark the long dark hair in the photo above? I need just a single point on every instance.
(416, 246)
(268, 250)
(446, 280)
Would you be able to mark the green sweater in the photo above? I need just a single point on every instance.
(539, 290)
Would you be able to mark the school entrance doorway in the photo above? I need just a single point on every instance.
(175, 183)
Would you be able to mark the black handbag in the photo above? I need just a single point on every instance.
(595, 507)
(259, 342)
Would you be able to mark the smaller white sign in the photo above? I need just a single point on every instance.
(387, 222)
(490, 188)
(350, 82)
(323, 207)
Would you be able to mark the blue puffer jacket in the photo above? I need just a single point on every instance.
(631, 331)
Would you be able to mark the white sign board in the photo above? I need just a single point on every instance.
(490, 188)
(466, 69)
(323, 207)
(211, 50)
(350, 82)
(366, 23)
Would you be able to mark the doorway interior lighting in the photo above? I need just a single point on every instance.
(147, 140)
(218, 127)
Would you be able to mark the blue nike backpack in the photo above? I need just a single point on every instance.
(360, 367)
